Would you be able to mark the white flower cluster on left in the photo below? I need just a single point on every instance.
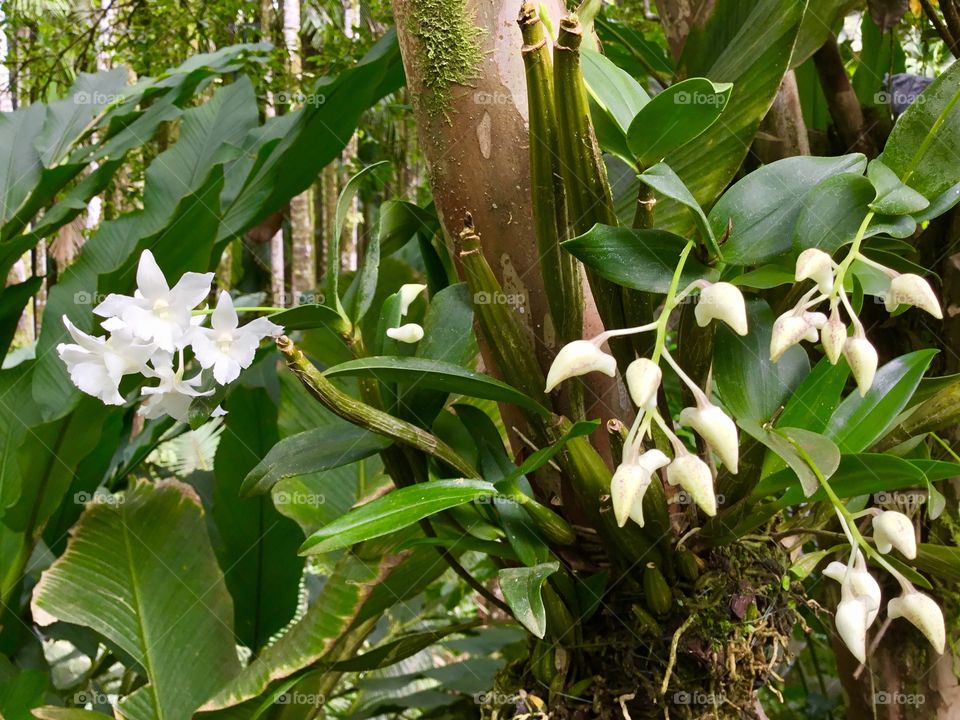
(150, 329)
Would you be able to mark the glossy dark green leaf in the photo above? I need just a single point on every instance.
(307, 317)
(921, 150)
(943, 561)
(857, 474)
(665, 181)
(764, 206)
(322, 448)
(400, 221)
(522, 590)
(541, 457)
(674, 117)
(860, 421)
(813, 402)
(614, 90)
(396, 510)
(832, 212)
(13, 299)
(751, 385)
(435, 374)
(637, 259)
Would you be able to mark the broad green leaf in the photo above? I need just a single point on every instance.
(21, 691)
(396, 510)
(725, 45)
(765, 277)
(813, 402)
(943, 561)
(893, 197)
(921, 148)
(137, 549)
(940, 204)
(832, 212)
(615, 91)
(522, 590)
(364, 286)
(253, 534)
(631, 50)
(764, 206)
(400, 221)
(819, 455)
(435, 374)
(20, 165)
(52, 712)
(820, 20)
(665, 181)
(326, 621)
(808, 562)
(860, 421)
(751, 385)
(637, 259)
(13, 299)
(674, 117)
(857, 474)
(322, 448)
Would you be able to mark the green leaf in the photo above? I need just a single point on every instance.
(942, 561)
(665, 181)
(136, 548)
(921, 148)
(680, 113)
(435, 374)
(541, 457)
(332, 280)
(820, 454)
(20, 165)
(751, 385)
(52, 712)
(364, 286)
(637, 259)
(764, 206)
(522, 588)
(322, 448)
(400, 221)
(252, 533)
(13, 299)
(765, 277)
(308, 317)
(808, 562)
(813, 402)
(857, 474)
(893, 197)
(832, 212)
(400, 649)
(860, 421)
(396, 510)
(615, 92)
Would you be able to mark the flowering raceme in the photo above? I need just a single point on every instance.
(152, 329)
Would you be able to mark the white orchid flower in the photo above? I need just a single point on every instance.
(579, 358)
(924, 613)
(174, 394)
(630, 483)
(156, 312)
(225, 346)
(892, 529)
(97, 364)
(722, 301)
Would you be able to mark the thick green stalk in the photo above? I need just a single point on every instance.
(589, 199)
(939, 412)
(561, 273)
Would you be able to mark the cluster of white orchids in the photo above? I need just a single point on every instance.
(720, 301)
(802, 322)
(149, 333)
(860, 594)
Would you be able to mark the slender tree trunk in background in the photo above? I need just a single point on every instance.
(350, 237)
(842, 101)
(277, 277)
(6, 93)
(329, 191)
(784, 126)
(303, 276)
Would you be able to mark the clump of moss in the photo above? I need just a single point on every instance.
(448, 49)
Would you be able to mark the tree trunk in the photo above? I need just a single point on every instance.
(783, 133)
(842, 101)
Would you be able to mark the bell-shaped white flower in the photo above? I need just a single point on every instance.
(409, 333)
(814, 264)
(643, 378)
(629, 484)
(862, 358)
(97, 364)
(156, 312)
(408, 293)
(173, 395)
(226, 347)
(579, 358)
(910, 289)
(863, 586)
(833, 335)
(851, 622)
(892, 529)
(714, 426)
(722, 301)
(924, 613)
(788, 330)
(693, 475)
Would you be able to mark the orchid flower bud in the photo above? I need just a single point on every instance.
(629, 484)
(851, 622)
(892, 529)
(720, 432)
(833, 335)
(910, 289)
(693, 475)
(579, 358)
(408, 293)
(862, 358)
(409, 333)
(643, 378)
(788, 330)
(924, 613)
(722, 301)
(816, 265)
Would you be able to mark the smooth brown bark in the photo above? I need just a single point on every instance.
(845, 110)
